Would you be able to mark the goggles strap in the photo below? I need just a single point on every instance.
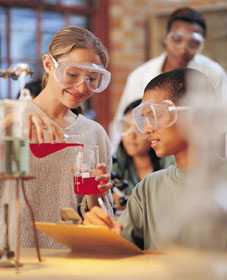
(178, 108)
(54, 61)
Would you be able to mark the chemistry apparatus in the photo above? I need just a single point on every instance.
(14, 158)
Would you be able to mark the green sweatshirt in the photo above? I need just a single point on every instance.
(151, 199)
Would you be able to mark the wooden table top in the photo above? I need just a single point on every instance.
(174, 264)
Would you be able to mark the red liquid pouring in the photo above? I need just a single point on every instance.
(45, 149)
(86, 185)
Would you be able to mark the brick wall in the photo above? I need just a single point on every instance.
(128, 35)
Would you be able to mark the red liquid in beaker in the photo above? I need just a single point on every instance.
(45, 149)
(86, 185)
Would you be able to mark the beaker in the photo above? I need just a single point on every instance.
(14, 129)
(45, 149)
(85, 170)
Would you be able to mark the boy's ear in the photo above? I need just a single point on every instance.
(48, 63)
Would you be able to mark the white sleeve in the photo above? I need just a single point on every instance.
(133, 91)
(220, 84)
(215, 73)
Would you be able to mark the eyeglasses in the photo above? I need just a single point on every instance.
(194, 42)
(72, 74)
(156, 115)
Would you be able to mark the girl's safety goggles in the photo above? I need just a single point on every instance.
(194, 41)
(156, 115)
(72, 74)
(126, 128)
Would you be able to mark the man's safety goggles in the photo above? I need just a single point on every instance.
(72, 74)
(194, 42)
(156, 115)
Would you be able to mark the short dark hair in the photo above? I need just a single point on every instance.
(132, 105)
(35, 87)
(180, 81)
(189, 15)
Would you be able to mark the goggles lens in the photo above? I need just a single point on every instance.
(127, 128)
(194, 42)
(156, 115)
(71, 74)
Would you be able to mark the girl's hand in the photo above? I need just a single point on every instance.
(104, 178)
(104, 184)
(38, 122)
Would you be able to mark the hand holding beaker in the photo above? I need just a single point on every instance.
(88, 173)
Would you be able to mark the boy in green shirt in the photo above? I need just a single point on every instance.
(160, 116)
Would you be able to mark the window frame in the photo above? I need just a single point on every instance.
(97, 12)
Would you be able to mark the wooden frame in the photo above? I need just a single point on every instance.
(97, 11)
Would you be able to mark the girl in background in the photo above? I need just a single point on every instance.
(134, 157)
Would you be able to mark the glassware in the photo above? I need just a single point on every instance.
(85, 170)
(45, 149)
(14, 146)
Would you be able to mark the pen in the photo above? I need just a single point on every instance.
(101, 204)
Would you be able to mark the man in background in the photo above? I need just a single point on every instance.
(183, 42)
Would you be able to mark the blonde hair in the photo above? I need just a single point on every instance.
(72, 37)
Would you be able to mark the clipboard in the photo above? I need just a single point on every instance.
(89, 238)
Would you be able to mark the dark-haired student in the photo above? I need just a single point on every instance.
(164, 106)
(134, 157)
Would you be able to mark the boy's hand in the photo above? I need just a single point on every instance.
(97, 216)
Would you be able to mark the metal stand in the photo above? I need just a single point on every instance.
(6, 255)
(6, 251)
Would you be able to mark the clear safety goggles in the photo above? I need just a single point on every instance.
(72, 74)
(194, 42)
(156, 115)
(127, 128)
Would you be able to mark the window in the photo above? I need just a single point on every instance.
(26, 29)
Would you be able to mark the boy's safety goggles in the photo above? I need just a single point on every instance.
(194, 41)
(72, 74)
(156, 115)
